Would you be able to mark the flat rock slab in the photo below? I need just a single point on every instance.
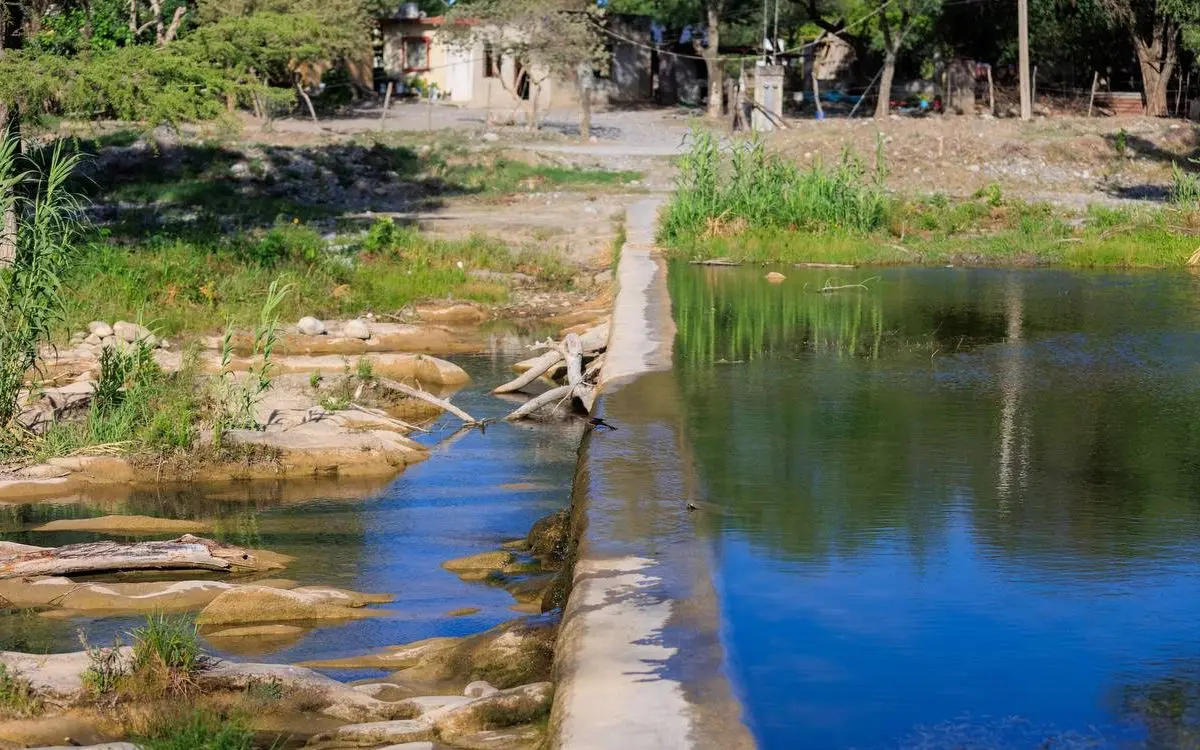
(397, 657)
(375, 733)
(150, 596)
(55, 677)
(127, 525)
(258, 604)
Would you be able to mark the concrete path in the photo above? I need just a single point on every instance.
(639, 661)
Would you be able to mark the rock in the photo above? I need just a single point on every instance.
(490, 137)
(100, 328)
(775, 277)
(310, 326)
(477, 567)
(480, 689)
(132, 332)
(375, 733)
(513, 653)
(549, 536)
(73, 598)
(396, 657)
(463, 612)
(504, 708)
(458, 313)
(356, 329)
(126, 525)
(93, 339)
(258, 631)
(108, 341)
(604, 277)
(251, 604)
(57, 678)
(340, 700)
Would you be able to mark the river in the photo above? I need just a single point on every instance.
(959, 508)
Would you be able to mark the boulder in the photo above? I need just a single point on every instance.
(94, 339)
(396, 657)
(57, 678)
(374, 734)
(513, 653)
(550, 536)
(100, 328)
(255, 604)
(356, 329)
(479, 689)
(310, 326)
(499, 711)
(775, 277)
(480, 566)
(258, 631)
(339, 700)
(132, 332)
(458, 313)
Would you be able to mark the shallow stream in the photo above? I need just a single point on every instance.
(476, 490)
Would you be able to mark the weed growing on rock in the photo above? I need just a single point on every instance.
(106, 668)
(17, 699)
(242, 395)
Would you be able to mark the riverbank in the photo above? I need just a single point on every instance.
(744, 203)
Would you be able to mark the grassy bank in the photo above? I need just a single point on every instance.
(747, 205)
(177, 286)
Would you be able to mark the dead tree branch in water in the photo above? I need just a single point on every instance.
(441, 403)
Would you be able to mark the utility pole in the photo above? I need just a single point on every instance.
(1023, 57)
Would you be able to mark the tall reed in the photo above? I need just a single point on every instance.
(31, 286)
(725, 191)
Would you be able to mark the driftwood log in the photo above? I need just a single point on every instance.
(577, 388)
(185, 553)
(427, 397)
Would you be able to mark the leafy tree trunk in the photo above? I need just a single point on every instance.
(883, 103)
(585, 83)
(712, 60)
(893, 38)
(1156, 58)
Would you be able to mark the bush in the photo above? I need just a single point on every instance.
(285, 242)
(727, 192)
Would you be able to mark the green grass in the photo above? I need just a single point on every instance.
(17, 699)
(178, 286)
(749, 206)
(198, 729)
(137, 407)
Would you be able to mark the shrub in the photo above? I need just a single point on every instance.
(166, 656)
(285, 242)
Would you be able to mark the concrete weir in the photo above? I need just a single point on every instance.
(639, 664)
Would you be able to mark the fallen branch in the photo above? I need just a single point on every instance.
(385, 417)
(861, 285)
(576, 387)
(185, 553)
(537, 367)
(427, 397)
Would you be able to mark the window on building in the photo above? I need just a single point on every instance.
(416, 53)
(491, 61)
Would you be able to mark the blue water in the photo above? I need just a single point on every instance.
(477, 490)
(959, 510)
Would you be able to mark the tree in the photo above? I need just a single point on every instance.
(883, 25)
(548, 38)
(1156, 28)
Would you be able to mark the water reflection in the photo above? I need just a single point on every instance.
(960, 495)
